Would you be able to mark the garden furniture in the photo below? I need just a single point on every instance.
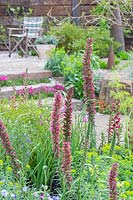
(23, 38)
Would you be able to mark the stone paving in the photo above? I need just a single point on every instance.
(101, 125)
(17, 64)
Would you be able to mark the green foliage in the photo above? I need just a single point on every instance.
(102, 40)
(73, 38)
(123, 55)
(70, 66)
(31, 138)
(20, 82)
(117, 60)
(29, 128)
(119, 93)
(103, 64)
(54, 64)
(104, 10)
(70, 37)
(2, 34)
(46, 39)
(19, 11)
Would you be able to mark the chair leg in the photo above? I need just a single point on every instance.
(26, 47)
(9, 46)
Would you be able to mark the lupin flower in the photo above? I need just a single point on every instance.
(55, 123)
(8, 147)
(66, 163)
(67, 122)
(89, 91)
(112, 182)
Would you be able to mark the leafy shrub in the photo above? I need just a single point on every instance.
(103, 64)
(73, 38)
(54, 64)
(70, 66)
(123, 55)
(46, 39)
(70, 36)
(102, 40)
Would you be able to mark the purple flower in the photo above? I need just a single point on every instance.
(3, 78)
(4, 193)
(55, 198)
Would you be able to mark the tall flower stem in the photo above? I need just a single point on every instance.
(67, 124)
(55, 123)
(114, 123)
(89, 93)
(8, 147)
(112, 182)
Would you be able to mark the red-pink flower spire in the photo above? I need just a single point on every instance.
(67, 126)
(55, 123)
(67, 123)
(89, 91)
(66, 163)
(8, 147)
(114, 122)
(112, 182)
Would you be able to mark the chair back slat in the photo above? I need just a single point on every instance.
(33, 24)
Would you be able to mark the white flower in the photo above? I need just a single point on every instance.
(35, 194)
(25, 188)
(13, 195)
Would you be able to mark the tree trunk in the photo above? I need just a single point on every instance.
(117, 30)
(111, 58)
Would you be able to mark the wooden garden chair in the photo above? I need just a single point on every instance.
(23, 38)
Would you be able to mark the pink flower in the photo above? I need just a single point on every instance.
(85, 118)
(3, 78)
(24, 74)
(66, 163)
(31, 90)
(55, 123)
(7, 146)
(89, 91)
(59, 87)
(67, 121)
(114, 122)
(42, 196)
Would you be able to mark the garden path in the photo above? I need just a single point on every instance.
(101, 126)
(17, 64)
